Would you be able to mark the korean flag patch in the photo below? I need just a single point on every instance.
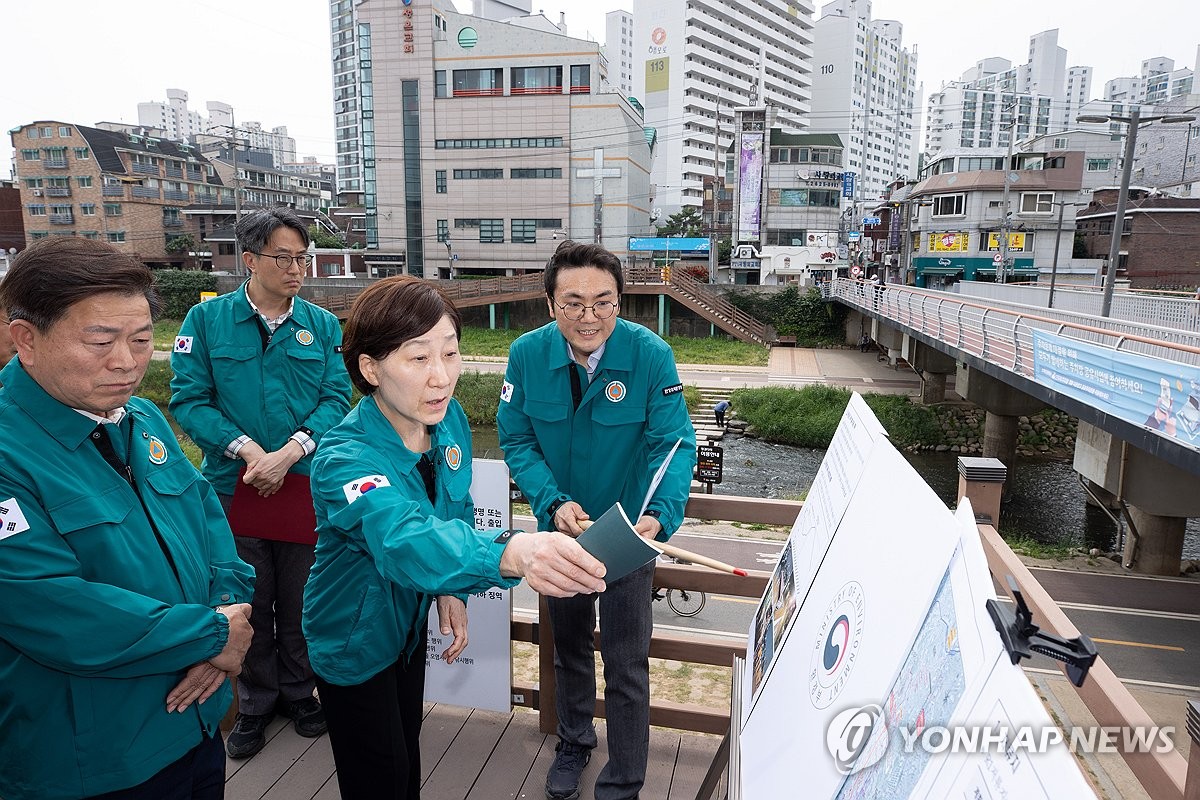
(12, 519)
(506, 392)
(183, 344)
(356, 489)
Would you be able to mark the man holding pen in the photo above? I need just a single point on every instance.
(590, 408)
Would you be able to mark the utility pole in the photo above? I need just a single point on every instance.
(1057, 240)
(1002, 267)
(712, 231)
(239, 266)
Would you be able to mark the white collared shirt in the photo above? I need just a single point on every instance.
(593, 360)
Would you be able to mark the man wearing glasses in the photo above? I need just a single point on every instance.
(591, 406)
(259, 378)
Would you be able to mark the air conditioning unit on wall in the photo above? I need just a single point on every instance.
(37, 192)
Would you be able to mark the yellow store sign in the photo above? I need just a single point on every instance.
(949, 242)
(1016, 241)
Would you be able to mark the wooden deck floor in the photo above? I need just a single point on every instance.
(466, 755)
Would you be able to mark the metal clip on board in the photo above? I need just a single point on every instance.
(1022, 638)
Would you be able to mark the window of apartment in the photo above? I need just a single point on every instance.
(1061, 143)
(491, 231)
(112, 209)
(524, 231)
(1037, 202)
(784, 237)
(37, 210)
(478, 82)
(90, 234)
(950, 205)
(978, 164)
(536, 80)
(170, 216)
(581, 79)
(536, 172)
(439, 83)
(466, 223)
(549, 223)
(32, 133)
(87, 209)
(1099, 164)
(116, 236)
(443, 230)
(64, 131)
(84, 181)
(33, 183)
(478, 174)
(31, 155)
(47, 132)
(38, 234)
(439, 179)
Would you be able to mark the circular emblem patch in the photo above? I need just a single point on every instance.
(304, 337)
(836, 645)
(158, 451)
(615, 391)
(453, 456)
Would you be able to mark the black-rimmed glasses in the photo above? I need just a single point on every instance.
(284, 261)
(575, 311)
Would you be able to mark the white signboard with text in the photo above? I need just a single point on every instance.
(482, 676)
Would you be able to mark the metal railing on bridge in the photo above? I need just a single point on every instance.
(1002, 334)
(1179, 310)
(701, 297)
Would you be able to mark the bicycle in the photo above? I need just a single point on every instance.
(683, 602)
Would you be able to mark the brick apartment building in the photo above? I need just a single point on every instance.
(116, 183)
(1160, 243)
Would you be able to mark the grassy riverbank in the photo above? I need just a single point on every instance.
(808, 417)
(488, 343)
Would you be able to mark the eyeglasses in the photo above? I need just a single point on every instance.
(284, 261)
(575, 311)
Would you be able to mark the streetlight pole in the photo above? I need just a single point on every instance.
(449, 257)
(1133, 121)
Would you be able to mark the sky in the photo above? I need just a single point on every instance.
(84, 61)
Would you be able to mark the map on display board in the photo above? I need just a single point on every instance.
(873, 641)
(482, 676)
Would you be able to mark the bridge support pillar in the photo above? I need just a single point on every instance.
(1003, 404)
(932, 365)
(1160, 496)
(1157, 548)
(1000, 438)
(890, 338)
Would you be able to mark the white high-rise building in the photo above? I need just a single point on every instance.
(864, 89)
(978, 109)
(173, 116)
(1159, 82)
(618, 49)
(1079, 92)
(691, 59)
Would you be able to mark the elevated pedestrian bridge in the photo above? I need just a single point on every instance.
(990, 342)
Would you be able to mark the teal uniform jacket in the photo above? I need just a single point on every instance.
(102, 610)
(608, 449)
(227, 383)
(383, 550)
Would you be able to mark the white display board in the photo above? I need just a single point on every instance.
(874, 630)
(482, 676)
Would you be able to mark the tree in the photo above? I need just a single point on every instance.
(185, 243)
(685, 222)
(325, 240)
(724, 250)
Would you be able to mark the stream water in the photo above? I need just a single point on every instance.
(1046, 502)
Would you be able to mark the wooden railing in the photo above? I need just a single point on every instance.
(701, 297)
(458, 291)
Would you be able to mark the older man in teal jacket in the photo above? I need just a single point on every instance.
(591, 406)
(258, 381)
(124, 601)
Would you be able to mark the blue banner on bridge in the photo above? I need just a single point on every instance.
(1158, 394)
